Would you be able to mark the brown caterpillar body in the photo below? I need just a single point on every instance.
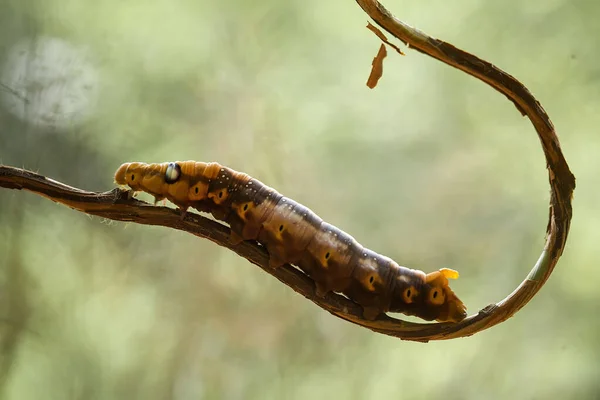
(294, 234)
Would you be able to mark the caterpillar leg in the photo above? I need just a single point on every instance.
(326, 284)
(158, 199)
(322, 289)
(235, 238)
(251, 231)
(236, 225)
(220, 214)
(275, 261)
(370, 313)
(182, 212)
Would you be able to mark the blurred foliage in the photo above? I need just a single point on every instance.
(432, 168)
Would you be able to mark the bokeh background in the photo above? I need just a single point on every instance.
(431, 168)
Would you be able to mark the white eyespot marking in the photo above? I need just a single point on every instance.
(172, 173)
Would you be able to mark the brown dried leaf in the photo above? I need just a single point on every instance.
(384, 39)
(377, 69)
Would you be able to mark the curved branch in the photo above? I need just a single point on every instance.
(562, 181)
(118, 204)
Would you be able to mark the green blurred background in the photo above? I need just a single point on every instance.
(431, 168)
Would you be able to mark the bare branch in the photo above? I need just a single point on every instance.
(118, 205)
(562, 181)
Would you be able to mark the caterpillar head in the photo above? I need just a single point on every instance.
(428, 296)
(160, 180)
(130, 174)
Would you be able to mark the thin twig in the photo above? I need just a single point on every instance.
(118, 205)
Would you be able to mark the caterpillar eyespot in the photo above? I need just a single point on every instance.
(408, 294)
(330, 256)
(436, 296)
(172, 173)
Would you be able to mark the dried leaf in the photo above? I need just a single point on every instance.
(377, 69)
(381, 36)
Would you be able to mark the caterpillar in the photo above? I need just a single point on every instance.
(292, 233)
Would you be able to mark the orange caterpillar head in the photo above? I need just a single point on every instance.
(131, 174)
(428, 296)
(180, 181)
(149, 178)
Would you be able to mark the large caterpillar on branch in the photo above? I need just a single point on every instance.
(294, 234)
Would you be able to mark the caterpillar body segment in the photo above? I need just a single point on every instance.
(287, 231)
(330, 259)
(294, 234)
(251, 205)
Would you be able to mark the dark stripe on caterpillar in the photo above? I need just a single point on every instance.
(294, 234)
